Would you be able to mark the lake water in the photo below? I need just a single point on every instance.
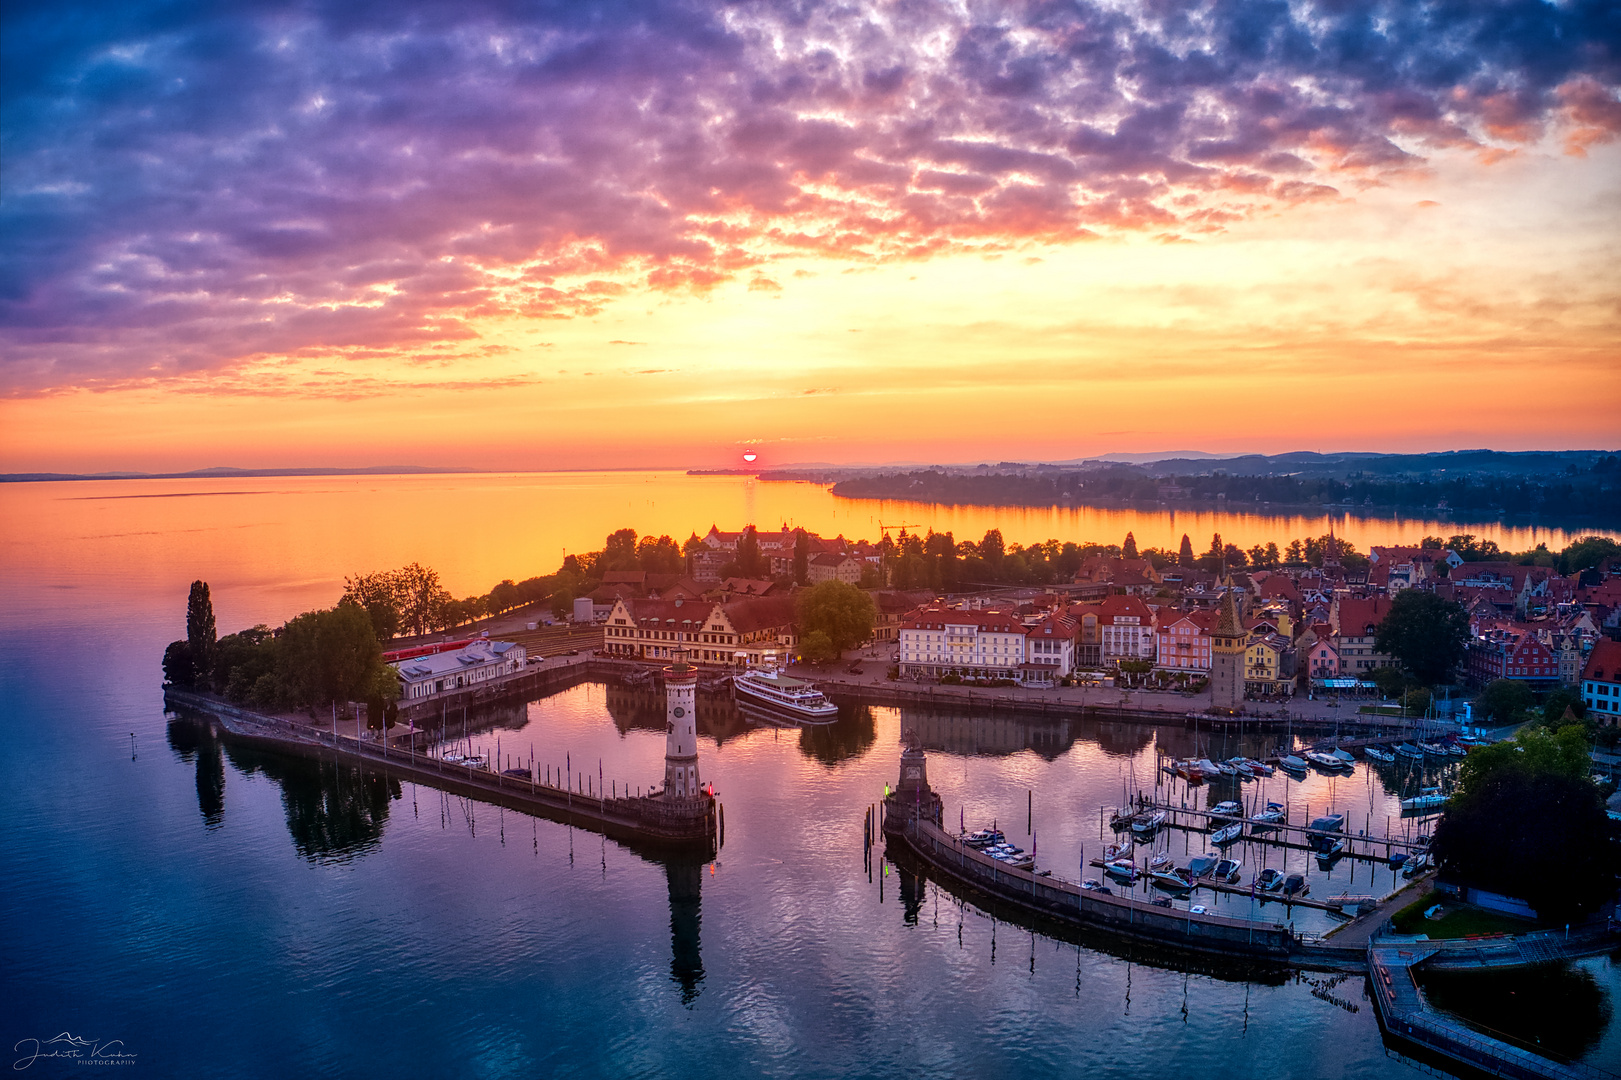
(228, 913)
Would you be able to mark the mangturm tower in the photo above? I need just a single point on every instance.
(681, 730)
(1227, 645)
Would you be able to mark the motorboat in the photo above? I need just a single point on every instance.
(1091, 884)
(1124, 869)
(1324, 761)
(1201, 865)
(1161, 901)
(1242, 767)
(1146, 823)
(1330, 823)
(1345, 756)
(1172, 877)
(1454, 750)
(1431, 749)
(1198, 909)
(1228, 808)
(1271, 880)
(1330, 850)
(1409, 751)
(1117, 851)
(1227, 870)
(1210, 770)
(1227, 833)
(778, 693)
(984, 838)
(1295, 885)
(451, 757)
(1397, 859)
(1267, 820)
(1429, 798)
(1259, 768)
(1416, 865)
(476, 761)
(1294, 765)
(1379, 754)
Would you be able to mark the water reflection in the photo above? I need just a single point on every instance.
(850, 736)
(686, 878)
(191, 739)
(1556, 1008)
(643, 708)
(334, 812)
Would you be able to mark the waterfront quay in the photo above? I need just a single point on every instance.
(640, 822)
(1406, 1013)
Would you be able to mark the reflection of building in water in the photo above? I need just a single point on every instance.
(998, 734)
(686, 917)
(847, 737)
(644, 707)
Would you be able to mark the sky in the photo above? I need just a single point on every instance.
(581, 235)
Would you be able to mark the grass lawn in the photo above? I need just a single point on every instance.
(1458, 920)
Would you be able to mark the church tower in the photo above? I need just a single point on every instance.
(681, 730)
(1227, 645)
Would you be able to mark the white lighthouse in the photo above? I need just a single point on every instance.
(681, 730)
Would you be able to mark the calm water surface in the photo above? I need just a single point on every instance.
(228, 913)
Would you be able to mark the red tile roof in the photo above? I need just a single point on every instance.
(1604, 662)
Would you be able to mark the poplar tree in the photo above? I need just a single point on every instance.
(1185, 555)
(200, 634)
(1128, 550)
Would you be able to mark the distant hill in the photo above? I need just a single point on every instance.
(229, 472)
(1571, 486)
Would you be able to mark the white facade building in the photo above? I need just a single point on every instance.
(939, 641)
(477, 662)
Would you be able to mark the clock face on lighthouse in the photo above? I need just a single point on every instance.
(679, 712)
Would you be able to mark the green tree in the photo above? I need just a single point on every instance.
(178, 668)
(1587, 552)
(802, 557)
(562, 603)
(1425, 633)
(1566, 697)
(1212, 559)
(1185, 553)
(420, 597)
(993, 550)
(1128, 550)
(839, 610)
(619, 551)
(378, 594)
(332, 655)
(1523, 807)
(200, 635)
(1504, 701)
(659, 555)
(816, 647)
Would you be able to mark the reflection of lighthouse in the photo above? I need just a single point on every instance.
(681, 730)
(686, 958)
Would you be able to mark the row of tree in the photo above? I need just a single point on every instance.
(316, 658)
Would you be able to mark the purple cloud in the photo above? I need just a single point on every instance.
(185, 187)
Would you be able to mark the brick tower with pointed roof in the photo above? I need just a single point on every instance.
(1227, 645)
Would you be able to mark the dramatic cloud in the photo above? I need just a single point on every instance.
(187, 186)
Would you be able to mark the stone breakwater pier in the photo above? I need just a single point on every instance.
(691, 820)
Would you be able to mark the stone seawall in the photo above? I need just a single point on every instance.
(646, 821)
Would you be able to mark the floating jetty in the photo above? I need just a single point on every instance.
(689, 823)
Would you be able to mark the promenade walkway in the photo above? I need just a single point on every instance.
(1407, 1014)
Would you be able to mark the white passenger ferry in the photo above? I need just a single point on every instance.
(784, 696)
